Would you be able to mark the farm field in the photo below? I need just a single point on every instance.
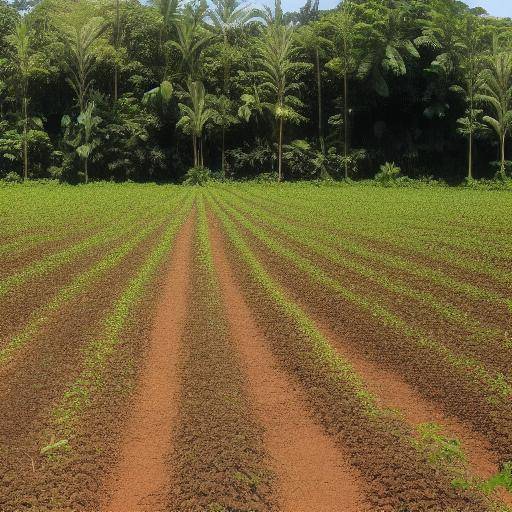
(255, 348)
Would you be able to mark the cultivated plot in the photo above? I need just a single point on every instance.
(255, 348)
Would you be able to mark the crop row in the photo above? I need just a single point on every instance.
(447, 318)
(379, 444)
(218, 459)
(391, 231)
(430, 366)
(80, 359)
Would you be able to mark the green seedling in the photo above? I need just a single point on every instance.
(55, 447)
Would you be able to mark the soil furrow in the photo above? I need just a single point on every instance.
(363, 253)
(219, 461)
(397, 475)
(451, 326)
(425, 372)
(311, 472)
(140, 481)
(29, 385)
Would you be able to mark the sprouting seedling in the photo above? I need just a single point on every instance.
(440, 449)
(55, 447)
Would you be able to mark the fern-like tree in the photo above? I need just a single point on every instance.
(468, 51)
(278, 73)
(81, 58)
(25, 64)
(310, 37)
(495, 91)
(194, 117)
(82, 135)
(344, 62)
(224, 17)
(191, 38)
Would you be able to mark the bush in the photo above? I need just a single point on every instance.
(495, 184)
(388, 174)
(197, 176)
(303, 161)
(266, 177)
(12, 177)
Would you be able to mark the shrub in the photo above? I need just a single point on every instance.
(388, 174)
(266, 177)
(12, 177)
(197, 176)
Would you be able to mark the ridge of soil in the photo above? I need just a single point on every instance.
(311, 471)
(424, 372)
(395, 473)
(34, 380)
(218, 460)
(141, 479)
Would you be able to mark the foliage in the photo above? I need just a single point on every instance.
(388, 174)
(495, 90)
(418, 83)
(303, 161)
(197, 176)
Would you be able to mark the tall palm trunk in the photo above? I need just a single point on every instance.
(280, 151)
(116, 45)
(319, 91)
(502, 144)
(345, 122)
(472, 121)
(470, 157)
(194, 149)
(86, 169)
(226, 91)
(223, 151)
(25, 142)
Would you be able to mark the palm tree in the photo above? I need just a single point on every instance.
(468, 43)
(88, 123)
(25, 62)
(81, 60)
(311, 40)
(194, 118)
(343, 22)
(495, 90)
(191, 39)
(224, 17)
(278, 68)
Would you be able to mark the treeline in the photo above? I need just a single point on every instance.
(122, 90)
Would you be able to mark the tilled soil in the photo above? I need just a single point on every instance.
(141, 480)
(219, 460)
(311, 471)
(396, 476)
(18, 305)
(31, 384)
(494, 350)
(426, 373)
(490, 314)
(215, 398)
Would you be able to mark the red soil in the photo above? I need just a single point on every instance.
(312, 472)
(393, 392)
(141, 480)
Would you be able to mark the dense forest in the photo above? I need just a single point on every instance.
(125, 90)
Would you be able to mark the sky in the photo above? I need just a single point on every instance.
(493, 7)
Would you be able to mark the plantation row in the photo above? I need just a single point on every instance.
(246, 349)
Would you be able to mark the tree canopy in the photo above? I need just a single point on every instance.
(130, 90)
